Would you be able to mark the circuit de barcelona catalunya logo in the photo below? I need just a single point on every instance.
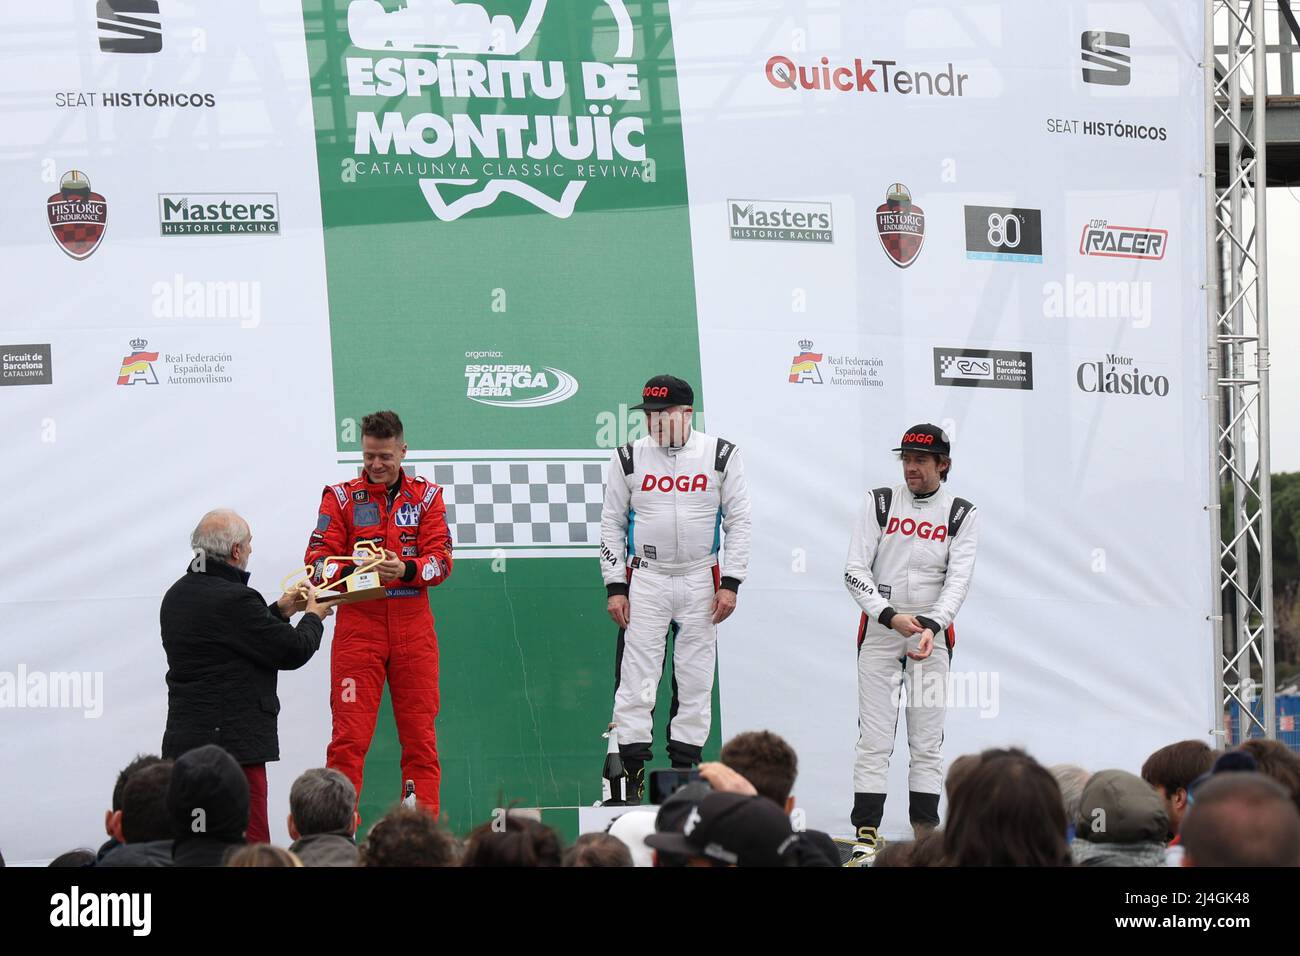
(491, 123)
(78, 216)
(901, 224)
(516, 386)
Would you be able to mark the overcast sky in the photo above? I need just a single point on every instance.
(1284, 326)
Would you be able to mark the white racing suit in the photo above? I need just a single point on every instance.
(665, 514)
(908, 555)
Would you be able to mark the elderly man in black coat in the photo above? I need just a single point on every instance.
(224, 648)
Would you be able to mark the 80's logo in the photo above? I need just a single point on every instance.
(1004, 234)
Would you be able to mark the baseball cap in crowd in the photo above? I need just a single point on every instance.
(733, 829)
(665, 391)
(925, 437)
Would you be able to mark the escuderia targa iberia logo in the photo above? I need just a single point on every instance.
(78, 215)
(138, 366)
(803, 368)
(479, 121)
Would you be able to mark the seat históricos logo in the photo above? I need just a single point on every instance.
(506, 385)
(78, 215)
(498, 124)
(873, 76)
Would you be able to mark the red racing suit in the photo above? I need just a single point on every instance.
(389, 638)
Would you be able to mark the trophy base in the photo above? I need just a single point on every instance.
(352, 597)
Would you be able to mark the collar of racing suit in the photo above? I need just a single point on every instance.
(924, 498)
(678, 449)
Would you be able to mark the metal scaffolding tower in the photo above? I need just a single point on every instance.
(1237, 289)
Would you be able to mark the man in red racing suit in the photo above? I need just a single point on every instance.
(405, 518)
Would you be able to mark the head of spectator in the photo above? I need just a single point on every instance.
(897, 854)
(74, 859)
(1071, 779)
(113, 816)
(1171, 770)
(770, 765)
(1121, 822)
(262, 854)
(928, 850)
(408, 837)
(730, 829)
(207, 802)
(1241, 819)
(1007, 811)
(632, 828)
(513, 839)
(766, 761)
(323, 818)
(146, 826)
(223, 535)
(599, 850)
(1278, 762)
(957, 772)
(671, 817)
(144, 805)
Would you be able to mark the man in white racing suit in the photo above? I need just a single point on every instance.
(909, 567)
(671, 499)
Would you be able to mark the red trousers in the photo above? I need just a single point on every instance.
(259, 829)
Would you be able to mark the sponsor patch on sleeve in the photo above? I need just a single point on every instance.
(430, 571)
(322, 522)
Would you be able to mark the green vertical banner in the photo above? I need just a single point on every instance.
(508, 258)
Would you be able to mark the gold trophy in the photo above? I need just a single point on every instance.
(361, 585)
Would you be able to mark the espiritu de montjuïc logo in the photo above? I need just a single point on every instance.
(460, 110)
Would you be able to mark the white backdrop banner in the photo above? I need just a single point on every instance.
(987, 216)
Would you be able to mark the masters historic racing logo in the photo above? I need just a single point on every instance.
(78, 215)
(772, 221)
(1122, 242)
(901, 225)
(983, 368)
(498, 124)
(191, 214)
(516, 386)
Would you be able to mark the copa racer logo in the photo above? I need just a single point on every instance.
(505, 385)
(1122, 242)
(499, 124)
